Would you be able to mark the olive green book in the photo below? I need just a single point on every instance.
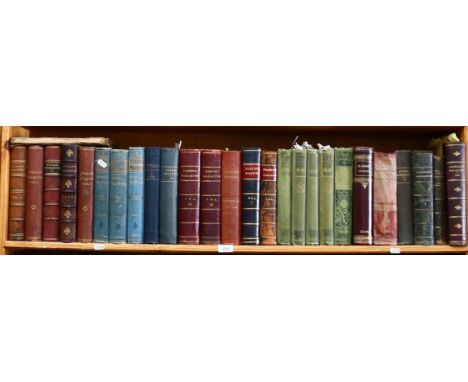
(298, 195)
(312, 198)
(343, 195)
(326, 195)
(284, 197)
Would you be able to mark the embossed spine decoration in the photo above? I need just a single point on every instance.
(85, 195)
(343, 195)
(284, 197)
(136, 195)
(298, 195)
(268, 198)
(51, 207)
(34, 193)
(17, 196)
(251, 196)
(312, 198)
(118, 196)
(68, 193)
(404, 197)
(152, 179)
(327, 195)
(168, 196)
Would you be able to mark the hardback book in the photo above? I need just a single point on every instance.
(404, 197)
(283, 212)
(51, 201)
(362, 195)
(210, 197)
(118, 194)
(189, 196)
(85, 206)
(423, 198)
(34, 193)
(298, 195)
(455, 164)
(343, 196)
(312, 198)
(326, 195)
(136, 195)
(385, 198)
(251, 196)
(17, 188)
(152, 178)
(268, 198)
(68, 193)
(231, 188)
(168, 195)
(440, 200)
(58, 141)
(101, 194)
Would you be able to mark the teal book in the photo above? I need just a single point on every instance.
(168, 195)
(136, 190)
(298, 195)
(326, 195)
(312, 198)
(284, 197)
(343, 195)
(101, 194)
(118, 196)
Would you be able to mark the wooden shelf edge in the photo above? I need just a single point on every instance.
(239, 249)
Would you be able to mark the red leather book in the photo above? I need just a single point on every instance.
(385, 198)
(85, 195)
(51, 205)
(231, 196)
(268, 198)
(34, 193)
(17, 193)
(210, 200)
(189, 196)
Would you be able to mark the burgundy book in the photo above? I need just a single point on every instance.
(210, 197)
(385, 198)
(34, 193)
(189, 196)
(362, 195)
(17, 193)
(51, 202)
(455, 165)
(268, 198)
(68, 189)
(85, 195)
(231, 196)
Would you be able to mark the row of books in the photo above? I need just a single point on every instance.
(298, 196)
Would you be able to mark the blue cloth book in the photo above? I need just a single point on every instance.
(118, 196)
(101, 194)
(136, 189)
(168, 196)
(152, 177)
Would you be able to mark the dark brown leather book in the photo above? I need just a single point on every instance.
(231, 197)
(189, 196)
(68, 190)
(268, 198)
(455, 164)
(440, 200)
(34, 193)
(85, 195)
(210, 197)
(51, 206)
(17, 187)
(362, 195)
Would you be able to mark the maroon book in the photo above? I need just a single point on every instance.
(51, 202)
(85, 195)
(34, 193)
(189, 196)
(17, 187)
(210, 200)
(362, 195)
(231, 196)
(385, 198)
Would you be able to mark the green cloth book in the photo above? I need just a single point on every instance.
(343, 195)
(312, 198)
(326, 194)
(284, 197)
(298, 195)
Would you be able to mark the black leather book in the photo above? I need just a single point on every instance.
(404, 197)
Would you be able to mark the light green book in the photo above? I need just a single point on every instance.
(298, 195)
(326, 194)
(312, 198)
(343, 195)
(284, 197)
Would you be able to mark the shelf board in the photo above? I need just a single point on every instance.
(238, 249)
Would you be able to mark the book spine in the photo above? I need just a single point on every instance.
(385, 199)
(51, 201)
(455, 154)
(404, 197)
(17, 191)
(440, 212)
(34, 193)
(152, 178)
(231, 197)
(85, 210)
(118, 191)
(284, 197)
(68, 190)
(268, 198)
(251, 196)
(189, 196)
(423, 198)
(210, 198)
(343, 196)
(312, 198)
(327, 196)
(101, 195)
(298, 196)
(168, 196)
(136, 195)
